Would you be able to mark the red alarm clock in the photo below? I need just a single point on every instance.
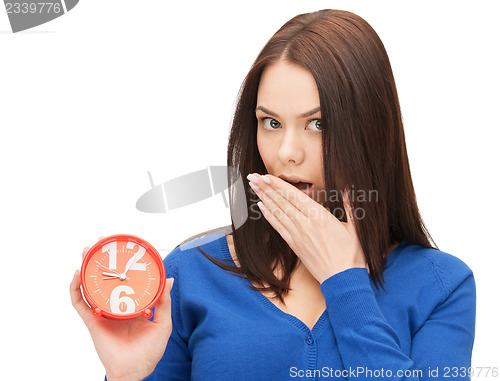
(123, 277)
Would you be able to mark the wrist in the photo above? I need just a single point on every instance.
(338, 270)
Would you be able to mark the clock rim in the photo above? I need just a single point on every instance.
(149, 248)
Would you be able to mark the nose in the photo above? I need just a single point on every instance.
(291, 148)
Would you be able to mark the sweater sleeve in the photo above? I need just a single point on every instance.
(369, 346)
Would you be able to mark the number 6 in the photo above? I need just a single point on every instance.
(116, 300)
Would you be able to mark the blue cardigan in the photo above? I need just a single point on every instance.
(420, 327)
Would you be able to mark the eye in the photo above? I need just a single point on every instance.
(315, 123)
(270, 123)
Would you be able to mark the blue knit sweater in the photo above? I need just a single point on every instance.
(420, 327)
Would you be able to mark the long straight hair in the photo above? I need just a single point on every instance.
(363, 145)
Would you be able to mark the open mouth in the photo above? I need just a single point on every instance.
(300, 185)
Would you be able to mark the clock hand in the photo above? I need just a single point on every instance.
(116, 273)
(130, 263)
(112, 274)
(110, 277)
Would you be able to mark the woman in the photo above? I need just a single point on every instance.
(332, 277)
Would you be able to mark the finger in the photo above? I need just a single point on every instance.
(79, 304)
(85, 250)
(163, 308)
(304, 203)
(284, 216)
(276, 223)
(278, 202)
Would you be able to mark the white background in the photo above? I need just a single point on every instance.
(93, 100)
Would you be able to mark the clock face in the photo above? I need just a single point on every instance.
(123, 276)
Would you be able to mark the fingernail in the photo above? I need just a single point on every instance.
(254, 187)
(253, 178)
(266, 179)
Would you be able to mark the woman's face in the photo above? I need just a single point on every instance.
(289, 128)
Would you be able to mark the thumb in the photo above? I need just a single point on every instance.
(163, 307)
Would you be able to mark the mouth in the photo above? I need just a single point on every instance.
(304, 186)
(300, 185)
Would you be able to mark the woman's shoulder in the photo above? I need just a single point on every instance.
(425, 263)
(190, 252)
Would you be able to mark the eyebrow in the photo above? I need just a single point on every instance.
(302, 116)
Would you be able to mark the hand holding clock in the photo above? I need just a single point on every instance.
(128, 349)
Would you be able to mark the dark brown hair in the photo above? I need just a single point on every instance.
(363, 144)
